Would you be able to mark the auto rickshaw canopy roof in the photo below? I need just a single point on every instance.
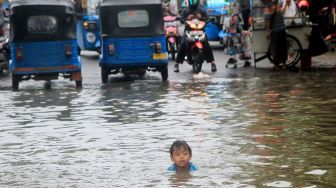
(110, 10)
(128, 2)
(15, 3)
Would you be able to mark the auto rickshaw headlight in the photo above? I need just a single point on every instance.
(86, 25)
(111, 49)
(158, 47)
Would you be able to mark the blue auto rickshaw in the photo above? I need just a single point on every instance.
(133, 39)
(43, 41)
(87, 26)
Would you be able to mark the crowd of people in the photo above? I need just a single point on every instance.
(320, 12)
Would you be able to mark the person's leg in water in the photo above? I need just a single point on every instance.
(181, 53)
(209, 57)
(279, 49)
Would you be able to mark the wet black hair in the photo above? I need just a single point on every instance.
(178, 144)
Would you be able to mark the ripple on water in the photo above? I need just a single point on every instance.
(244, 132)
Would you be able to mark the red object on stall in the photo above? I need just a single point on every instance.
(303, 5)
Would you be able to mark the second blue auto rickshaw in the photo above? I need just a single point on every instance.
(43, 41)
(133, 38)
(88, 28)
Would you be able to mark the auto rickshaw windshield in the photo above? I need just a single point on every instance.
(43, 22)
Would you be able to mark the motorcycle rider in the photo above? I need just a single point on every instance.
(194, 10)
(169, 8)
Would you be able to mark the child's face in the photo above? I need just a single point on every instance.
(181, 158)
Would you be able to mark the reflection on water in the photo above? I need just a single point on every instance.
(258, 130)
(180, 179)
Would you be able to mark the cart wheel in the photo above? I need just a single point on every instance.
(79, 84)
(79, 50)
(104, 74)
(164, 72)
(294, 51)
(226, 66)
(235, 66)
(15, 82)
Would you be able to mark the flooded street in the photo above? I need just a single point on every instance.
(247, 127)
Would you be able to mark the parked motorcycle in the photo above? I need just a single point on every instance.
(195, 35)
(172, 35)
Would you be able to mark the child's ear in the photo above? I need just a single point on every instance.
(171, 158)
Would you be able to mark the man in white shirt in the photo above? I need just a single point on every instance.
(289, 8)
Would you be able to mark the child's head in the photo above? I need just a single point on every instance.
(180, 154)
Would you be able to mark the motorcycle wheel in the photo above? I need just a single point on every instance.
(172, 51)
(197, 64)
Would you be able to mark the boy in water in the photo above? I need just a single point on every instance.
(180, 154)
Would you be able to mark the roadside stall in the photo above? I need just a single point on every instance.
(298, 31)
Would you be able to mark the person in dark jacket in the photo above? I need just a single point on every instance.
(194, 10)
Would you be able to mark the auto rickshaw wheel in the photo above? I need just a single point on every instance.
(142, 72)
(15, 82)
(164, 72)
(48, 84)
(79, 83)
(104, 74)
(294, 51)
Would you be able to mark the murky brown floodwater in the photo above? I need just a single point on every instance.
(258, 129)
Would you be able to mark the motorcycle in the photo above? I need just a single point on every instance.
(172, 35)
(195, 36)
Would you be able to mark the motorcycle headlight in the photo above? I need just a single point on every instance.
(90, 37)
(202, 38)
(191, 39)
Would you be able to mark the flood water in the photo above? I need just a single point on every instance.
(249, 128)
